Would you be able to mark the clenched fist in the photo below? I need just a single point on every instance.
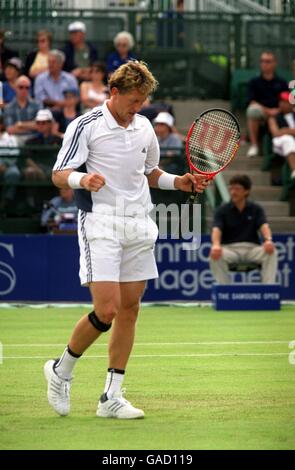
(92, 182)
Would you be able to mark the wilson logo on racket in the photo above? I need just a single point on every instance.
(214, 138)
(212, 142)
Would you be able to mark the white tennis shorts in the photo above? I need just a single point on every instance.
(118, 249)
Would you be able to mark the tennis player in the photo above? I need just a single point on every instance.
(110, 157)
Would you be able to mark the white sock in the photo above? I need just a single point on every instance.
(64, 367)
(114, 381)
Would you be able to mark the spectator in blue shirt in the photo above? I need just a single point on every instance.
(19, 115)
(50, 86)
(61, 211)
(123, 43)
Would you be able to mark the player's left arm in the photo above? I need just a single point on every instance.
(184, 182)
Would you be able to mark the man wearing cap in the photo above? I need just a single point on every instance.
(263, 93)
(169, 142)
(19, 115)
(282, 128)
(80, 54)
(39, 171)
(50, 86)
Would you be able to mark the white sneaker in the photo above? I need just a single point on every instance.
(58, 391)
(117, 407)
(253, 151)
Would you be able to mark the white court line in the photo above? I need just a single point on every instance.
(160, 355)
(197, 343)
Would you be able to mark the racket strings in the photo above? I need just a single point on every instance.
(213, 141)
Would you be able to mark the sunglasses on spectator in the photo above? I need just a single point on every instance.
(267, 61)
(23, 87)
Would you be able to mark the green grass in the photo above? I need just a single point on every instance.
(226, 394)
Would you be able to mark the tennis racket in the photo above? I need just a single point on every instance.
(211, 144)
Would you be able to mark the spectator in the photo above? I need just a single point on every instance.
(171, 27)
(263, 93)
(95, 92)
(49, 86)
(45, 136)
(12, 71)
(79, 52)
(9, 172)
(37, 60)
(69, 112)
(123, 43)
(282, 128)
(235, 234)
(151, 110)
(170, 143)
(61, 212)
(5, 54)
(19, 115)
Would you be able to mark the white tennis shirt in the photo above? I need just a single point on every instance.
(96, 143)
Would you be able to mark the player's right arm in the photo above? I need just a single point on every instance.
(90, 182)
(72, 158)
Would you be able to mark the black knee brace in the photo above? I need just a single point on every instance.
(99, 325)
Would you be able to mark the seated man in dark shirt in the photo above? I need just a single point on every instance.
(263, 94)
(235, 235)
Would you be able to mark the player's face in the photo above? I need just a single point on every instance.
(127, 105)
(238, 193)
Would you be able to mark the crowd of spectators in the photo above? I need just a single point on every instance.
(49, 89)
(271, 111)
(41, 96)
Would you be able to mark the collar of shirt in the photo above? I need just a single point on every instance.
(61, 77)
(247, 205)
(113, 124)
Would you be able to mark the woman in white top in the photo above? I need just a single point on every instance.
(95, 92)
(37, 60)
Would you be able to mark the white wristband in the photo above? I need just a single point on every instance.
(166, 181)
(75, 178)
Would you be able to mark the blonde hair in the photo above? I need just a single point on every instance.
(133, 75)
